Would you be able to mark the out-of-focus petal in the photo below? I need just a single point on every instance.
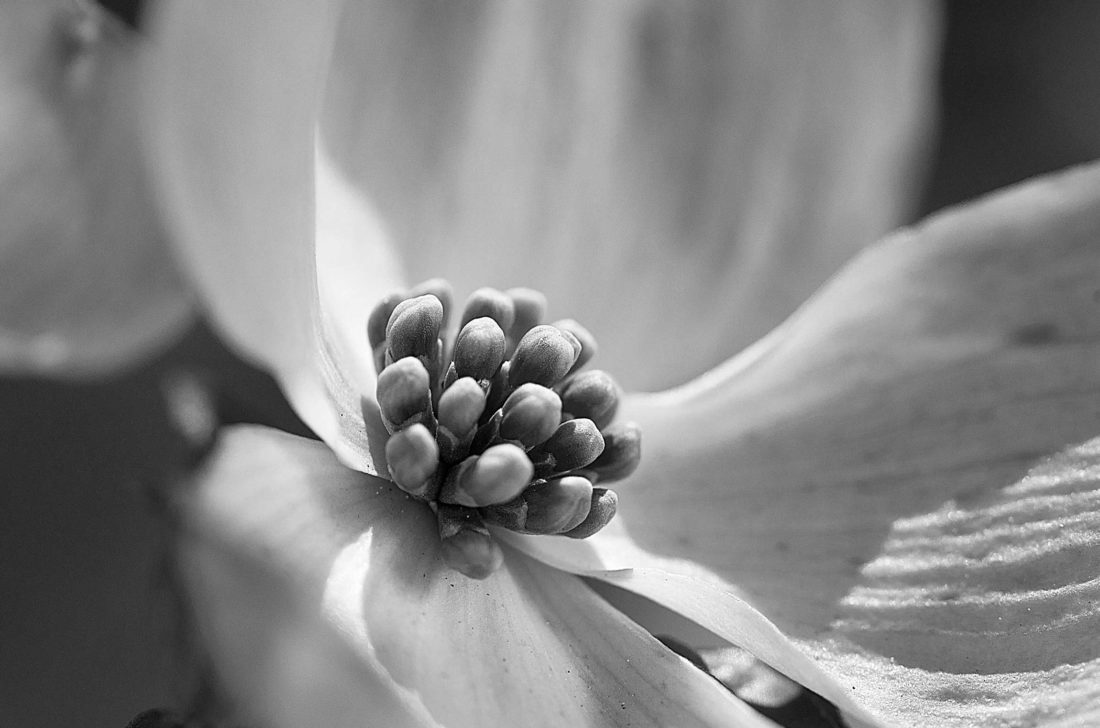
(853, 475)
(529, 646)
(233, 93)
(86, 282)
(682, 175)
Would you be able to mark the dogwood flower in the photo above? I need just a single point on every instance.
(859, 476)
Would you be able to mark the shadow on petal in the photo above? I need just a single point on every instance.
(938, 366)
(294, 551)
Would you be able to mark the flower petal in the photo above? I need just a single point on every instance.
(86, 282)
(691, 592)
(938, 365)
(529, 646)
(702, 166)
(986, 610)
(849, 474)
(258, 210)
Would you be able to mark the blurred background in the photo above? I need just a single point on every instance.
(88, 629)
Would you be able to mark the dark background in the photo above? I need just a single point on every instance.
(87, 622)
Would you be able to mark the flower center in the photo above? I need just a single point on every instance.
(498, 426)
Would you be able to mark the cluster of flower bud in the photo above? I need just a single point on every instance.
(499, 427)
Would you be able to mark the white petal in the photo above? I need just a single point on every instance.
(233, 97)
(529, 646)
(986, 610)
(86, 282)
(858, 465)
(678, 176)
(691, 592)
(938, 365)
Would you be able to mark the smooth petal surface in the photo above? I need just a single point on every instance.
(678, 176)
(86, 282)
(854, 473)
(233, 94)
(529, 646)
(692, 593)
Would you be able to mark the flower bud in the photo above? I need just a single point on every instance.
(376, 329)
(403, 392)
(586, 340)
(479, 349)
(461, 405)
(604, 504)
(491, 303)
(530, 414)
(413, 328)
(574, 444)
(440, 288)
(557, 506)
(466, 544)
(530, 307)
(621, 454)
(593, 394)
(543, 356)
(497, 475)
(413, 457)
(379, 318)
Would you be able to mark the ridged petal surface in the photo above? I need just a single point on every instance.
(860, 474)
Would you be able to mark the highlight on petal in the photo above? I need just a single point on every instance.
(853, 476)
(87, 285)
(354, 574)
(986, 610)
(266, 226)
(691, 593)
(703, 166)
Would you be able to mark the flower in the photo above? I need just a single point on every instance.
(852, 474)
(87, 281)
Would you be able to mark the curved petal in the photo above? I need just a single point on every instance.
(691, 592)
(977, 614)
(86, 282)
(257, 210)
(851, 471)
(703, 166)
(529, 646)
(986, 610)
